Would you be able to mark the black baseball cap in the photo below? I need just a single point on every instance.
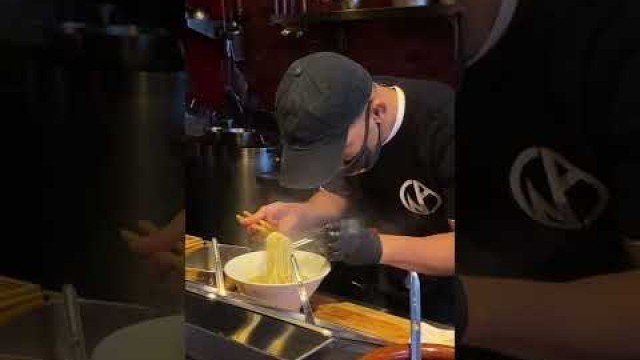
(319, 96)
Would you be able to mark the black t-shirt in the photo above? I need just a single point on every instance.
(547, 155)
(409, 191)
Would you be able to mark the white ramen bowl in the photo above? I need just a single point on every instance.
(155, 339)
(245, 268)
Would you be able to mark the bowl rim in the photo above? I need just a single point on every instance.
(321, 276)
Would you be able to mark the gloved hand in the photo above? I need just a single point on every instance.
(352, 243)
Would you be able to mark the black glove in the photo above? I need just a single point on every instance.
(352, 243)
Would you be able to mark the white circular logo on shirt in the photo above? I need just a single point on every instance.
(418, 198)
(552, 191)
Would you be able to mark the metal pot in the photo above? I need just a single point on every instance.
(408, 3)
(234, 137)
(231, 180)
(350, 4)
(114, 103)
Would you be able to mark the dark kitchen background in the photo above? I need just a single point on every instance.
(385, 46)
(93, 101)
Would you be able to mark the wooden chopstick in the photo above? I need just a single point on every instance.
(191, 238)
(19, 291)
(21, 309)
(18, 297)
(193, 242)
(266, 224)
(263, 227)
(194, 246)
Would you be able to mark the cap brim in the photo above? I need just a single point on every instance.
(311, 168)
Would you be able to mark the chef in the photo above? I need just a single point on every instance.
(381, 149)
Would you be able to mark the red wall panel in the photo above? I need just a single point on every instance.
(410, 48)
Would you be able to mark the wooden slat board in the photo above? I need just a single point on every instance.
(192, 243)
(393, 329)
(18, 298)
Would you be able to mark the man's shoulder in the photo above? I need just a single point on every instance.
(419, 85)
(424, 96)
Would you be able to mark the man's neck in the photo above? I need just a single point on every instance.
(391, 99)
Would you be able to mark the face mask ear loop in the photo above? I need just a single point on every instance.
(378, 147)
(366, 137)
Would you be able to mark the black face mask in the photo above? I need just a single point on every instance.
(366, 158)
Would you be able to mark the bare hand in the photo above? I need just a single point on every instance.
(288, 217)
(163, 246)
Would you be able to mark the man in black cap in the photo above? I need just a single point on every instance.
(383, 148)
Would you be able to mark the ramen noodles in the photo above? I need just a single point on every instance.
(278, 255)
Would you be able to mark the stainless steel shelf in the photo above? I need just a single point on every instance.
(387, 13)
(198, 21)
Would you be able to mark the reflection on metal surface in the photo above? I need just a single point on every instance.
(254, 331)
(42, 334)
(204, 344)
(279, 344)
(251, 304)
(244, 332)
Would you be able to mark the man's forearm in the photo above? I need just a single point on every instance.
(325, 206)
(429, 255)
(592, 318)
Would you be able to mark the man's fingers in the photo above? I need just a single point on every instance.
(129, 236)
(147, 226)
(157, 242)
(162, 263)
(254, 218)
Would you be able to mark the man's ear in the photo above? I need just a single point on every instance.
(378, 110)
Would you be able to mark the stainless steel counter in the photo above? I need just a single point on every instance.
(42, 334)
(218, 329)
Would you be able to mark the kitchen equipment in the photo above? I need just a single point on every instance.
(222, 328)
(226, 182)
(300, 243)
(109, 134)
(73, 319)
(230, 137)
(158, 339)
(243, 269)
(197, 262)
(214, 255)
(416, 353)
(302, 292)
(380, 325)
(42, 332)
(350, 4)
(408, 3)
